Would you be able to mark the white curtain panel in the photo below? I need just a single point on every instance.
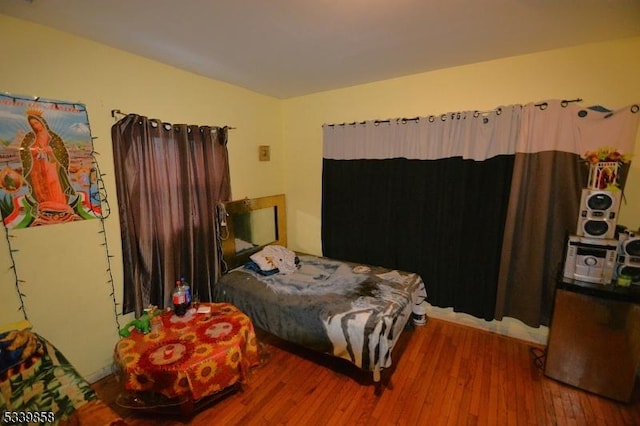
(551, 125)
(554, 126)
(468, 134)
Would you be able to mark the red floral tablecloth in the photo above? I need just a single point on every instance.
(195, 355)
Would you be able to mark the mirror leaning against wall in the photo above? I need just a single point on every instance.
(250, 225)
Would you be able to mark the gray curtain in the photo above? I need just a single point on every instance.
(547, 180)
(540, 216)
(169, 179)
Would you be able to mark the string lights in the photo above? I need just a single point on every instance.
(13, 267)
(102, 215)
(98, 198)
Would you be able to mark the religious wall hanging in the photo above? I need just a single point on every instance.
(47, 171)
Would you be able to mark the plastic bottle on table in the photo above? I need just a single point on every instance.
(179, 298)
(187, 289)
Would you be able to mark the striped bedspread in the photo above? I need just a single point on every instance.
(355, 312)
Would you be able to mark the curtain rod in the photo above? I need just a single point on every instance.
(430, 118)
(443, 117)
(563, 103)
(115, 112)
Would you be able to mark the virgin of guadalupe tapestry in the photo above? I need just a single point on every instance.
(47, 172)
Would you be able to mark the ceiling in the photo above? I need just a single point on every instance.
(287, 48)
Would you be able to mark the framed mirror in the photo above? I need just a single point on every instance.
(250, 225)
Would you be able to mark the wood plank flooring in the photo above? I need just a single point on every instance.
(445, 374)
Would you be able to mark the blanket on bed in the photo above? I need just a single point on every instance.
(351, 311)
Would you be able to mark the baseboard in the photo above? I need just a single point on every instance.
(510, 327)
(100, 374)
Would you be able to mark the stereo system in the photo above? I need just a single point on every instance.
(598, 260)
(591, 260)
(597, 253)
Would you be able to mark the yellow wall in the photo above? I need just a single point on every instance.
(64, 266)
(602, 73)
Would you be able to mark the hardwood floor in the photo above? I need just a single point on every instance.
(445, 374)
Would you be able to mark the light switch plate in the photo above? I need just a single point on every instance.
(264, 153)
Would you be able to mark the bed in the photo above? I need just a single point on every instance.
(347, 310)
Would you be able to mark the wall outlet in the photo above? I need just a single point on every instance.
(264, 153)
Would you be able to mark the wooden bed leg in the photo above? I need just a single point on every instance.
(378, 388)
(381, 381)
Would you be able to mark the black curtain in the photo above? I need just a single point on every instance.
(443, 219)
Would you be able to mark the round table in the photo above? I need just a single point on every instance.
(195, 355)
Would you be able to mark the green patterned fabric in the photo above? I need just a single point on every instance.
(36, 377)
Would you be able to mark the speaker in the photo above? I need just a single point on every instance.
(598, 213)
(628, 262)
(590, 260)
(630, 246)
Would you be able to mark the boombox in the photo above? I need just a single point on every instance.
(598, 213)
(591, 260)
(628, 262)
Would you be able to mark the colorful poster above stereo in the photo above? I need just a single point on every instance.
(47, 173)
